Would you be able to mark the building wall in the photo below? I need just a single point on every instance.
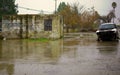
(32, 26)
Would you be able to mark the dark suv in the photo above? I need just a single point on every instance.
(107, 31)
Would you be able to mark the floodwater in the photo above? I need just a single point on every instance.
(68, 56)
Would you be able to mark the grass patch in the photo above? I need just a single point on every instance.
(38, 40)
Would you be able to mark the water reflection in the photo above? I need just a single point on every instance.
(69, 57)
(19, 49)
(70, 47)
(23, 51)
(7, 69)
(108, 47)
(109, 56)
(0, 49)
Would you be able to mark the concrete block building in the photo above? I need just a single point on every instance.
(32, 26)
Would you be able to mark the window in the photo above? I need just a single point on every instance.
(107, 26)
(48, 24)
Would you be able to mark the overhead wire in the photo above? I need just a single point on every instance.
(31, 9)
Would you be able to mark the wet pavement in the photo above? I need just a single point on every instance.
(68, 56)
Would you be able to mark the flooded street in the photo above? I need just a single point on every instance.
(68, 56)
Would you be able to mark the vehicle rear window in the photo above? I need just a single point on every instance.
(107, 26)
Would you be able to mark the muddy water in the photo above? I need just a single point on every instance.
(71, 56)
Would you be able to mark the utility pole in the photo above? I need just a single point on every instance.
(55, 6)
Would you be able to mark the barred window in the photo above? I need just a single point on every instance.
(48, 24)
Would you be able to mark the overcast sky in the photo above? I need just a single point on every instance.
(102, 6)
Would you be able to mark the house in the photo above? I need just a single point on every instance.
(32, 26)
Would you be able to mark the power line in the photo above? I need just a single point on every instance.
(41, 11)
